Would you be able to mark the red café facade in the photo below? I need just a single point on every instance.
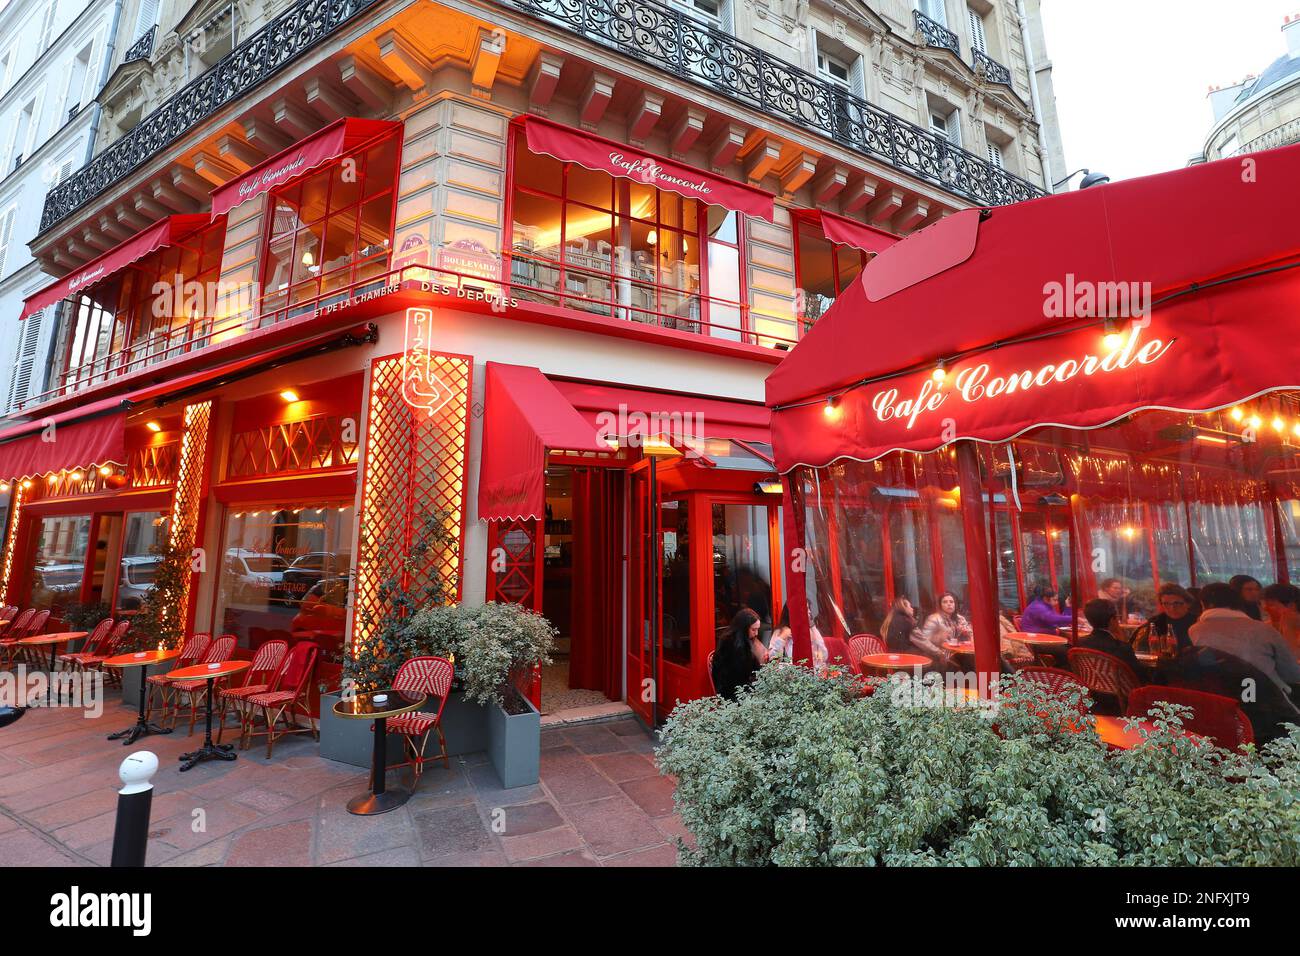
(290, 379)
(1091, 385)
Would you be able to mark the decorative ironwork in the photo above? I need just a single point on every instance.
(153, 466)
(990, 69)
(414, 463)
(142, 48)
(292, 447)
(1282, 135)
(513, 563)
(936, 34)
(707, 56)
(259, 58)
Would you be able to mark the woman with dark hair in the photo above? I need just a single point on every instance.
(781, 646)
(945, 624)
(1249, 590)
(1041, 615)
(1178, 612)
(899, 626)
(739, 655)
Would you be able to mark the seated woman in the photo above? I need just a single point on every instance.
(1178, 612)
(1282, 605)
(900, 626)
(781, 646)
(1014, 653)
(944, 624)
(1041, 615)
(739, 654)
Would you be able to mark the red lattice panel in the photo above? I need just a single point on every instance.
(512, 562)
(413, 462)
(189, 482)
(291, 447)
(153, 466)
(11, 539)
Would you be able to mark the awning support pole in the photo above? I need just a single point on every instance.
(983, 602)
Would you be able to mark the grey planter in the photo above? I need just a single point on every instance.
(350, 741)
(131, 678)
(515, 744)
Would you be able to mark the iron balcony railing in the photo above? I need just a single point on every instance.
(994, 71)
(696, 51)
(142, 48)
(253, 62)
(1282, 135)
(935, 33)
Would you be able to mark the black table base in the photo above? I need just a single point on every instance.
(380, 799)
(209, 750)
(142, 726)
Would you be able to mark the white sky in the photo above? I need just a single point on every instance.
(1132, 76)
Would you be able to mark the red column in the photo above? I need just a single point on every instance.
(983, 599)
(792, 564)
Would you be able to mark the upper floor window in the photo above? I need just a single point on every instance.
(47, 28)
(618, 247)
(146, 17)
(945, 121)
(330, 230)
(838, 64)
(934, 9)
(825, 269)
(995, 155)
(977, 40)
(6, 237)
(78, 79)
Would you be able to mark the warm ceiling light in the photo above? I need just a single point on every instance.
(1130, 532)
(652, 237)
(1255, 421)
(1237, 414)
(4, 487)
(1278, 424)
(1112, 337)
(153, 426)
(289, 395)
(307, 259)
(1212, 439)
(75, 476)
(940, 372)
(105, 471)
(832, 407)
(27, 482)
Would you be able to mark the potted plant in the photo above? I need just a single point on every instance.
(84, 617)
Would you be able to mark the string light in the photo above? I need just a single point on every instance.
(1112, 338)
(1238, 414)
(940, 372)
(1278, 424)
(1255, 421)
(105, 471)
(832, 407)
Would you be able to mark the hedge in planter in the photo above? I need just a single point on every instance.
(800, 770)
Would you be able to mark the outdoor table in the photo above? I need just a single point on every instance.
(53, 640)
(894, 662)
(141, 727)
(365, 707)
(959, 647)
(1114, 735)
(209, 673)
(1045, 641)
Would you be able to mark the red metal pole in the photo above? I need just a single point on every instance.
(983, 599)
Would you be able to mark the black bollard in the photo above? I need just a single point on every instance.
(131, 831)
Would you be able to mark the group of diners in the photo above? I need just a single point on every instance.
(1237, 639)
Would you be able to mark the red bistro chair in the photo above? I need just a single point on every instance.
(1104, 674)
(1057, 681)
(218, 652)
(286, 698)
(97, 638)
(9, 613)
(257, 680)
(192, 652)
(838, 653)
(16, 630)
(860, 645)
(1214, 716)
(35, 626)
(422, 675)
(107, 649)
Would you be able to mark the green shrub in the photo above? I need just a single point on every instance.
(490, 643)
(800, 770)
(84, 617)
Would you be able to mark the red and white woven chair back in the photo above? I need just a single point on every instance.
(37, 623)
(98, 635)
(425, 675)
(1104, 673)
(19, 627)
(268, 657)
(1213, 715)
(194, 649)
(860, 645)
(219, 651)
(118, 635)
(1054, 678)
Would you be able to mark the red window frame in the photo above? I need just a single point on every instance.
(838, 250)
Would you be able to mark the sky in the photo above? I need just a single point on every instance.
(1132, 76)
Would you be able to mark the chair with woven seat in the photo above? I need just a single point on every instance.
(218, 652)
(15, 632)
(34, 627)
(97, 638)
(838, 654)
(1103, 673)
(257, 680)
(94, 660)
(192, 652)
(286, 698)
(422, 675)
(1219, 718)
(1057, 681)
(860, 645)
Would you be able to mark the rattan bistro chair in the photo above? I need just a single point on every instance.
(192, 652)
(95, 640)
(218, 652)
(422, 675)
(257, 680)
(16, 631)
(860, 645)
(286, 699)
(1104, 674)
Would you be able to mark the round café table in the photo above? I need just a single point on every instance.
(894, 662)
(141, 727)
(209, 673)
(378, 706)
(1116, 736)
(53, 640)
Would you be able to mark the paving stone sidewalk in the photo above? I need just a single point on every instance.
(600, 802)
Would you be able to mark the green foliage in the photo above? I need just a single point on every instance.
(489, 643)
(161, 617)
(372, 661)
(800, 770)
(84, 617)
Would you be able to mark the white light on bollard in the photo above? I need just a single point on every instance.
(136, 772)
(134, 800)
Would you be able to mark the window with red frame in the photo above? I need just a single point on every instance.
(154, 309)
(825, 270)
(330, 230)
(587, 240)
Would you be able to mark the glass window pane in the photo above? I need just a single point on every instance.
(742, 572)
(60, 561)
(676, 586)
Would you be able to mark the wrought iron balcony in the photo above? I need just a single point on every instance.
(142, 48)
(935, 33)
(702, 54)
(993, 71)
(259, 58)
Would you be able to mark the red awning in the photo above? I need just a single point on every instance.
(1039, 267)
(606, 156)
(524, 417)
(848, 232)
(343, 136)
(623, 412)
(83, 438)
(167, 231)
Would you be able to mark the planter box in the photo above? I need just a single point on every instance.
(515, 744)
(131, 678)
(350, 741)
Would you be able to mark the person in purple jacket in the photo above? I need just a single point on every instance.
(1040, 615)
